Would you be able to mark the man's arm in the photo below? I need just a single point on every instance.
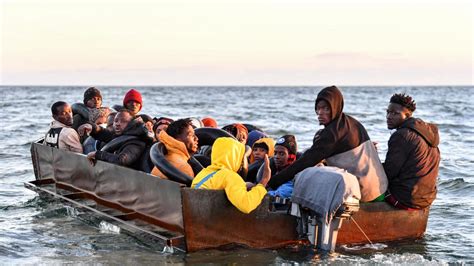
(309, 158)
(130, 153)
(323, 146)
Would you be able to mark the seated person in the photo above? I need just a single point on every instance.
(132, 102)
(344, 143)
(239, 131)
(160, 124)
(181, 143)
(255, 135)
(285, 154)
(412, 160)
(126, 153)
(92, 101)
(260, 148)
(228, 156)
(61, 135)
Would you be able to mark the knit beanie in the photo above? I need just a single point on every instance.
(255, 135)
(209, 122)
(133, 95)
(91, 93)
(289, 142)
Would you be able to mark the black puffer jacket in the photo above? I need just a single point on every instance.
(127, 153)
(412, 163)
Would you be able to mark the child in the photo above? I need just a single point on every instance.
(260, 148)
(285, 155)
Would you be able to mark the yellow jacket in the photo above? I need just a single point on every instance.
(177, 155)
(271, 148)
(226, 159)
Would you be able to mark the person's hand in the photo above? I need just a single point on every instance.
(84, 129)
(91, 157)
(267, 172)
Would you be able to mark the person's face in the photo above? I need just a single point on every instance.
(133, 107)
(64, 115)
(281, 157)
(396, 115)
(323, 111)
(259, 153)
(189, 139)
(101, 120)
(120, 122)
(94, 102)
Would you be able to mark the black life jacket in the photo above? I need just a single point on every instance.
(52, 137)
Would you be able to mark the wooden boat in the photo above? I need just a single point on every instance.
(188, 219)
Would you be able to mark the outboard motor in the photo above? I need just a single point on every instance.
(321, 234)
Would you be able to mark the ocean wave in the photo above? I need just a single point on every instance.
(456, 185)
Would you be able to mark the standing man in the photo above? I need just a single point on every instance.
(60, 134)
(413, 156)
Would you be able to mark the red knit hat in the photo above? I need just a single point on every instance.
(209, 122)
(133, 95)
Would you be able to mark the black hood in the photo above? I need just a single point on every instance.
(334, 97)
(138, 129)
(428, 131)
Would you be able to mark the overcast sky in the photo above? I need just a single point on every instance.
(237, 42)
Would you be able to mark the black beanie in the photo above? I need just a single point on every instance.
(91, 93)
(289, 142)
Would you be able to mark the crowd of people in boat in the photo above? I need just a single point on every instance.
(122, 136)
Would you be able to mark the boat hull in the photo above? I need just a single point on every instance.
(210, 221)
(204, 218)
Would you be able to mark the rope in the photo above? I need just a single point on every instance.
(352, 218)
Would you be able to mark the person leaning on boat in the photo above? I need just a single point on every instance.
(127, 152)
(413, 156)
(343, 143)
(227, 157)
(61, 135)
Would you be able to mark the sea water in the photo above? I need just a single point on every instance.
(36, 230)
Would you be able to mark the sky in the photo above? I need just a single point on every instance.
(105, 42)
